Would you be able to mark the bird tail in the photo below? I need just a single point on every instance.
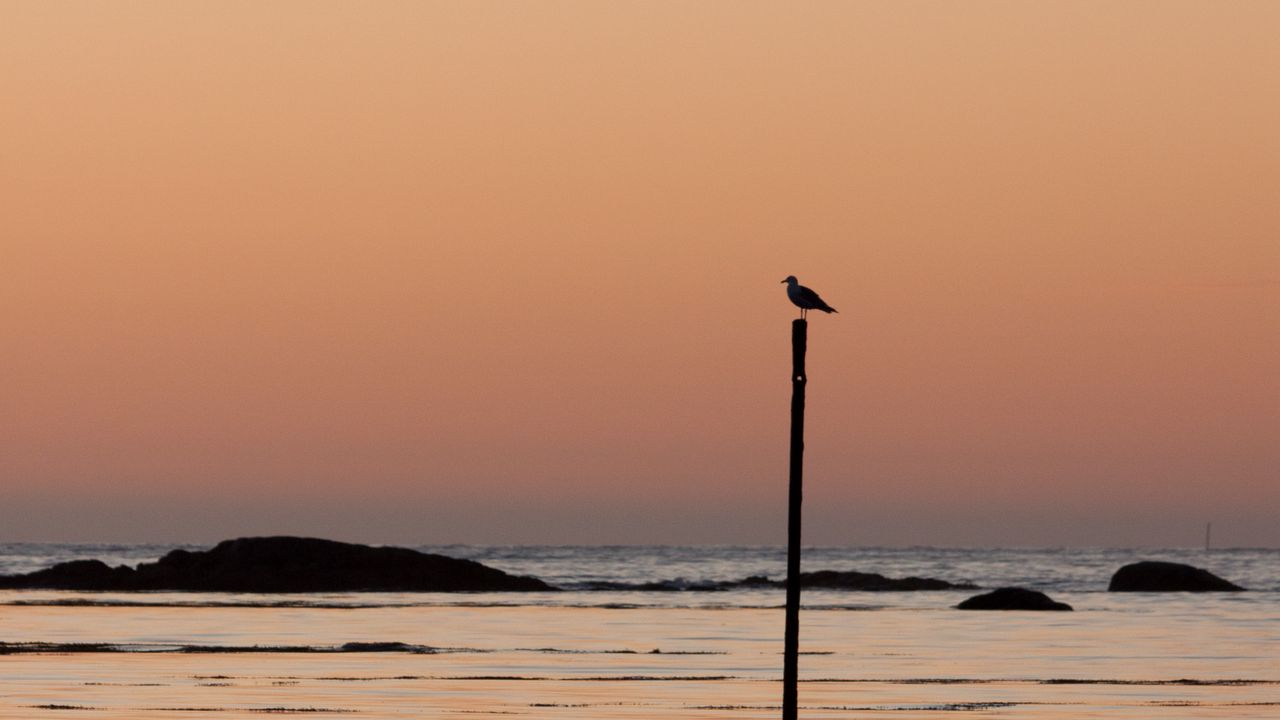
(829, 309)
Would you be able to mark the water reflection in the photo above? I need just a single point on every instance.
(1122, 657)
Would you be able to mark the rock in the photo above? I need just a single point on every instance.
(283, 565)
(373, 647)
(1012, 598)
(874, 582)
(75, 575)
(1156, 576)
(677, 585)
(822, 579)
(851, 580)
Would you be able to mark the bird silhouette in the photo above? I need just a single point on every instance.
(804, 298)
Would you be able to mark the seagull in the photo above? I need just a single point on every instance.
(804, 298)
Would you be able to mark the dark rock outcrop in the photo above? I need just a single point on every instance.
(832, 579)
(1012, 598)
(74, 575)
(822, 579)
(282, 565)
(678, 585)
(1157, 576)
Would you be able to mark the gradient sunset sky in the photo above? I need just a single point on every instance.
(508, 272)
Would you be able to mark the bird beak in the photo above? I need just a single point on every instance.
(782, 281)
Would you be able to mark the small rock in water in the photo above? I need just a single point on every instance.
(1012, 598)
(370, 647)
(852, 580)
(1156, 576)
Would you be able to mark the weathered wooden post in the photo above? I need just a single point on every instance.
(791, 640)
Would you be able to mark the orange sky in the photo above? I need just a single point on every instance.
(509, 272)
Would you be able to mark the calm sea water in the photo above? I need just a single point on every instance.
(631, 654)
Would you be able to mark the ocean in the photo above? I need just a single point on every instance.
(602, 648)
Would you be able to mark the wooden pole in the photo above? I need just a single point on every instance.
(791, 641)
